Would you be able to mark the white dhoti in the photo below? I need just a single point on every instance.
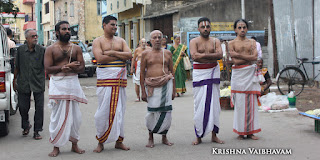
(158, 118)
(65, 93)
(109, 118)
(206, 90)
(136, 76)
(245, 88)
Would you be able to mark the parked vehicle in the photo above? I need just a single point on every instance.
(89, 61)
(8, 97)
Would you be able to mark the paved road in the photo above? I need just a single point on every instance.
(286, 130)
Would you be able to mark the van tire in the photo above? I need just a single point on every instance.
(90, 73)
(4, 126)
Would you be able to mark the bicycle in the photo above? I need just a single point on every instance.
(292, 78)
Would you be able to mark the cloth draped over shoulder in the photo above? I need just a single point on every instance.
(206, 80)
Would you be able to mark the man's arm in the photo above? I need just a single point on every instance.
(170, 67)
(216, 55)
(233, 55)
(98, 53)
(77, 66)
(16, 70)
(204, 57)
(124, 55)
(143, 75)
(134, 60)
(245, 57)
(48, 63)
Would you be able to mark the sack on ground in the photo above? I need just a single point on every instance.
(275, 102)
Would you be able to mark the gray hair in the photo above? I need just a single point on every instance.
(26, 33)
(176, 36)
(156, 31)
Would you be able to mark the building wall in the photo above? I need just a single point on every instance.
(93, 21)
(186, 12)
(317, 33)
(27, 9)
(62, 13)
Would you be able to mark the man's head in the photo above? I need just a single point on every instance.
(87, 42)
(176, 39)
(241, 27)
(260, 63)
(156, 38)
(142, 43)
(253, 37)
(9, 32)
(109, 24)
(63, 31)
(31, 37)
(164, 40)
(204, 27)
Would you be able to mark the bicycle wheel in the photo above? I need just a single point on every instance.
(291, 79)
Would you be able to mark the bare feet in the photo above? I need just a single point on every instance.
(217, 140)
(150, 143)
(76, 149)
(240, 137)
(166, 141)
(197, 141)
(120, 145)
(55, 152)
(253, 137)
(99, 148)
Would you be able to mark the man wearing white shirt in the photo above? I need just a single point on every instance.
(258, 47)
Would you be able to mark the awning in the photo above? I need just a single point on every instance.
(28, 2)
(159, 14)
(30, 25)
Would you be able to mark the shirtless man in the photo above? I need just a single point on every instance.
(135, 69)
(205, 52)
(243, 53)
(111, 52)
(63, 60)
(156, 75)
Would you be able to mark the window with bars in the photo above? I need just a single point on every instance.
(46, 6)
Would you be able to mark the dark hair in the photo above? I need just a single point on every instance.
(87, 41)
(149, 43)
(57, 26)
(203, 19)
(107, 19)
(240, 20)
(9, 31)
(253, 37)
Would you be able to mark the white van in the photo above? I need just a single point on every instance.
(8, 97)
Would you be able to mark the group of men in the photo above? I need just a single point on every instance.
(63, 61)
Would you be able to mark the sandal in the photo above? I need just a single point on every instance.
(137, 100)
(26, 131)
(37, 136)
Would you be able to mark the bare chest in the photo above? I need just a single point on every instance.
(115, 45)
(244, 47)
(206, 46)
(64, 56)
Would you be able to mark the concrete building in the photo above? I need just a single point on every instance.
(94, 9)
(180, 17)
(24, 20)
(15, 24)
(74, 12)
(47, 20)
(130, 19)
